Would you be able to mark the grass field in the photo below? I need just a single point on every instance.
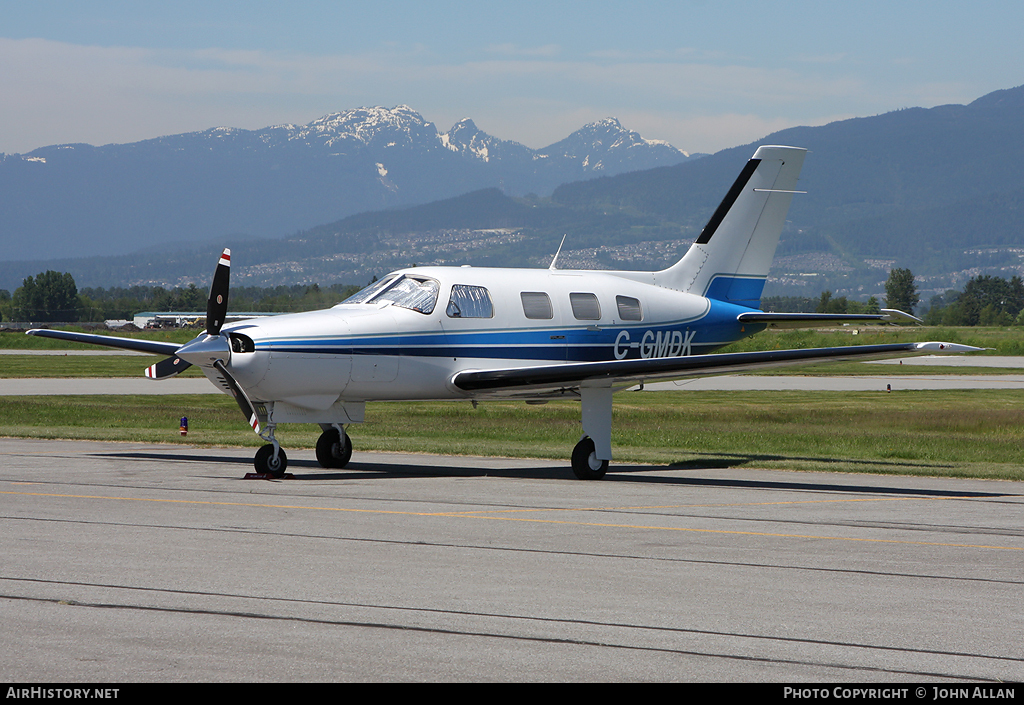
(970, 433)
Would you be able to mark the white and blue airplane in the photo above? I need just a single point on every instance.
(443, 333)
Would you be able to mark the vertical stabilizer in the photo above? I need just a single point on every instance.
(730, 259)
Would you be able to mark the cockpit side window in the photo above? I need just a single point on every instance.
(417, 294)
(365, 295)
(470, 302)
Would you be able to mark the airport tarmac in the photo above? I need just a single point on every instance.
(129, 562)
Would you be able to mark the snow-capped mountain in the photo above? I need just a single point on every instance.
(78, 200)
(467, 139)
(607, 147)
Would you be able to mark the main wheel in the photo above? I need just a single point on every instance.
(585, 464)
(333, 450)
(266, 464)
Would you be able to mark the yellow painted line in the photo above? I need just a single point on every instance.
(221, 504)
(469, 515)
(752, 533)
(714, 505)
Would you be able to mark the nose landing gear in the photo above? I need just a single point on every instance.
(271, 459)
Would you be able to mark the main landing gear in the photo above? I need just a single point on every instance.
(585, 465)
(333, 448)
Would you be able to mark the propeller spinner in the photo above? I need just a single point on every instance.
(204, 351)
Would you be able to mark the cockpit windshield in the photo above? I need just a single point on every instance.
(418, 294)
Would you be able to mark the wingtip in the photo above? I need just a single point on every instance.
(940, 347)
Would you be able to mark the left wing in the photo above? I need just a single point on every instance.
(628, 372)
(147, 346)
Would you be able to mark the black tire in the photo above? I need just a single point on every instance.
(333, 450)
(585, 464)
(265, 464)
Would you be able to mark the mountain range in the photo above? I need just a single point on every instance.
(77, 200)
(936, 190)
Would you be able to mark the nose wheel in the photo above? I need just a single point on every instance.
(269, 462)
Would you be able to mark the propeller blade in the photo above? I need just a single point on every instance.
(248, 410)
(217, 304)
(167, 367)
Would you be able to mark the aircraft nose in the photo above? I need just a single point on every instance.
(247, 364)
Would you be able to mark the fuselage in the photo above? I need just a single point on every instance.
(405, 336)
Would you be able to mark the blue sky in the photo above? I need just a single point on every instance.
(703, 75)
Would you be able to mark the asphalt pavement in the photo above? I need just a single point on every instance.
(128, 562)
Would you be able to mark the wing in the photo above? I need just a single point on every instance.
(146, 346)
(809, 320)
(563, 378)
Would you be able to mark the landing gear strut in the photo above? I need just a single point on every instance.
(271, 459)
(333, 448)
(585, 464)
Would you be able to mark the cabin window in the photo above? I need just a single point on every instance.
(629, 308)
(536, 304)
(585, 307)
(470, 302)
(415, 293)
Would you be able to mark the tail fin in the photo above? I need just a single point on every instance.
(730, 259)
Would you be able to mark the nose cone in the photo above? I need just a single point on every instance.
(205, 350)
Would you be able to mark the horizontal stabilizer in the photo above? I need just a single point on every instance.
(812, 320)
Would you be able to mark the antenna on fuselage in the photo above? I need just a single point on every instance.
(555, 258)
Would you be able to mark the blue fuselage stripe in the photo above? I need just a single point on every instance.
(717, 328)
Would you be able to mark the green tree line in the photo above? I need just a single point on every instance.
(985, 301)
(53, 297)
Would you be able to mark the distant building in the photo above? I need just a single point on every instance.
(187, 319)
